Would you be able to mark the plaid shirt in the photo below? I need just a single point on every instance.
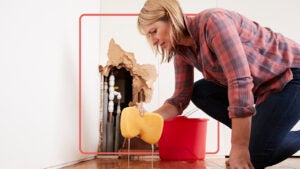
(233, 51)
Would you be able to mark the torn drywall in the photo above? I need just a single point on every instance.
(143, 75)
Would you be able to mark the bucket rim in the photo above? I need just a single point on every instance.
(182, 117)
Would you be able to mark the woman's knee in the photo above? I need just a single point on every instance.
(198, 90)
(260, 161)
(204, 89)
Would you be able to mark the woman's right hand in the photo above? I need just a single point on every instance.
(167, 111)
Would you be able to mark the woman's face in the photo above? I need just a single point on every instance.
(158, 33)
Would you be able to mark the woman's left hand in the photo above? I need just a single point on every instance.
(239, 159)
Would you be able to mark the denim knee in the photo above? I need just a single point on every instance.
(204, 88)
(197, 92)
(260, 161)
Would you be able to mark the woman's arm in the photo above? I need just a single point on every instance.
(240, 135)
(184, 80)
(239, 154)
(167, 111)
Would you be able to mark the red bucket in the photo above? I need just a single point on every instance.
(183, 139)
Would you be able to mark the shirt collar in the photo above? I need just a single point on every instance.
(190, 25)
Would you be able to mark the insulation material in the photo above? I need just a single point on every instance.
(143, 75)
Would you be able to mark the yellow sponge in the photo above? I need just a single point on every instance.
(149, 126)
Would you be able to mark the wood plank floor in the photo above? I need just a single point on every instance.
(156, 163)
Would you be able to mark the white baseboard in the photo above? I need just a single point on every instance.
(70, 163)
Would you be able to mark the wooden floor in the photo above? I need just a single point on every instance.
(156, 163)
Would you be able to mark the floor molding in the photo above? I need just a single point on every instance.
(71, 163)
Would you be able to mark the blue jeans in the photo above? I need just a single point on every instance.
(272, 140)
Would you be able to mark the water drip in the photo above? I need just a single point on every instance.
(128, 155)
(152, 147)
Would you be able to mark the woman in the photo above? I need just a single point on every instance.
(251, 77)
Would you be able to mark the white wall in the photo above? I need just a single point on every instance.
(39, 82)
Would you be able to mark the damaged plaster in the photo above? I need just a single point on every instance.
(143, 75)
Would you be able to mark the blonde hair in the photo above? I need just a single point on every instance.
(167, 11)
